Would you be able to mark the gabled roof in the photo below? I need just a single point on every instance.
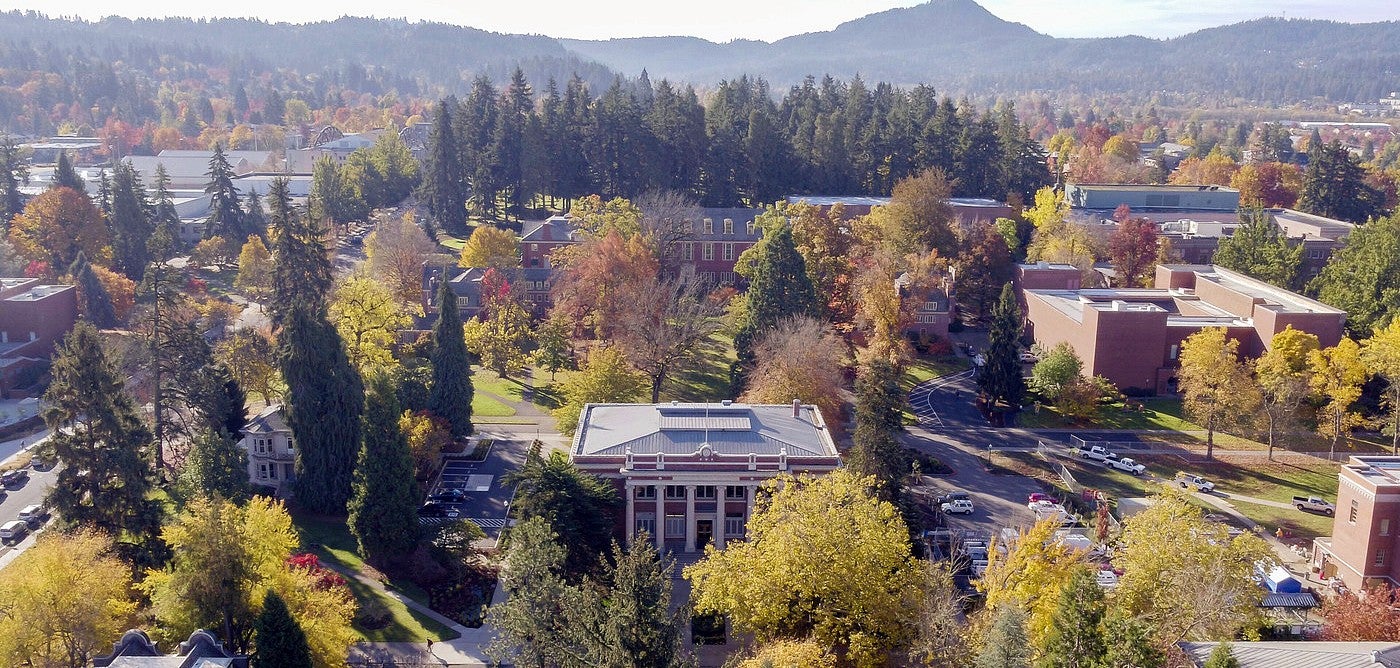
(270, 420)
(554, 229)
(611, 430)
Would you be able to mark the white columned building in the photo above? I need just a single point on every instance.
(690, 473)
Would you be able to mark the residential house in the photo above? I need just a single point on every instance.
(272, 454)
(690, 473)
(532, 283)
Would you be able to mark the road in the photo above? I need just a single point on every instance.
(487, 499)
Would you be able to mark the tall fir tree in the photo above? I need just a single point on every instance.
(1076, 636)
(278, 640)
(254, 217)
(325, 398)
(1259, 249)
(877, 451)
(382, 508)
(1000, 377)
(450, 397)
(301, 272)
(1006, 643)
(130, 220)
(225, 214)
(779, 287)
(65, 176)
(1334, 186)
(96, 303)
(107, 475)
(444, 184)
(12, 173)
(166, 220)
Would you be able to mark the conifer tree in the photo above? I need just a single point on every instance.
(130, 220)
(97, 305)
(778, 288)
(382, 509)
(279, 641)
(1006, 645)
(444, 184)
(1076, 636)
(216, 466)
(325, 398)
(99, 437)
(877, 451)
(166, 221)
(65, 176)
(450, 397)
(254, 219)
(12, 172)
(1259, 249)
(1000, 378)
(225, 214)
(301, 272)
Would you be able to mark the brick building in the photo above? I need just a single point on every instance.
(34, 318)
(1132, 336)
(533, 283)
(1365, 541)
(690, 472)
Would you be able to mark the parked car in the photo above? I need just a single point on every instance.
(448, 495)
(1315, 504)
(1193, 481)
(1127, 464)
(1107, 579)
(960, 506)
(13, 531)
(1095, 452)
(15, 478)
(431, 509)
(1029, 357)
(951, 497)
(1038, 496)
(33, 513)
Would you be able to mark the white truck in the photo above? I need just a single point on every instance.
(1315, 504)
(959, 506)
(1094, 452)
(1193, 481)
(1127, 464)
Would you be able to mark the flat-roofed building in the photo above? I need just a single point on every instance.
(1365, 543)
(690, 472)
(33, 318)
(1132, 336)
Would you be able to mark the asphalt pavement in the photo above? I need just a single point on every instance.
(485, 499)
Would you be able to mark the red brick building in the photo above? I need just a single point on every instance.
(1365, 541)
(33, 319)
(1132, 336)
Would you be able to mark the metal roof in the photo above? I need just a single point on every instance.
(611, 430)
(1303, 654)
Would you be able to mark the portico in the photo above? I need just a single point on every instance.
(691, 473)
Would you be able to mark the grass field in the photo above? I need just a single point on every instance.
(1258, 477)
(708, 378)
(331, 540)
(486, 406)
(927, 368)
(1299, 523)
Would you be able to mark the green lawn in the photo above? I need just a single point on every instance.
(488, 407)
(512, 389)
(1255, 476)
(1157, 413)
(927, 368)
(708, 378)
(331, 540)
(1303, 524)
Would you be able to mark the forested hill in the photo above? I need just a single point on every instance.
(957, 45)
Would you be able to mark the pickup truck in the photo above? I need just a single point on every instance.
(1190, 480)
(1127, 464)
(1315, 504)
(962, 506)
(1096, 452)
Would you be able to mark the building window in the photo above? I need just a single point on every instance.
(689, 251)
(262, 471)
(1385, 527)
(734, 526)
(729, 251)
(709, 252)
(675, 526)
(748, 227)
(272, 472)
(1175, 349)
(1380, 557)
(675, 492)
(647, 526)
(709, 226)
(728, 226)
(735, 492)
(1355, 506)
(705, 492)
(930, 306)
(534, 247)
(644, 492)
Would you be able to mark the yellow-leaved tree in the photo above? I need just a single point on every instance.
(1282, 374)
(790, 654)
(368, 316)
(1218, 390)
(491, 248)
(1030, 576)
(254, 268)
(63, 601)
(1187, 577)
(1381, 353)
(226, 559)
(1337, 376)
(824, 560)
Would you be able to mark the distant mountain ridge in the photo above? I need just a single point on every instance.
(957, 46)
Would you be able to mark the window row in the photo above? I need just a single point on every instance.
(702, 492)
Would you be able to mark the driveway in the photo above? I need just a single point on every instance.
(486, 499)
(999, 500)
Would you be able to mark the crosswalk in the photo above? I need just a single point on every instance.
(483, 522)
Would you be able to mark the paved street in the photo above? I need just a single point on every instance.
(487, 500)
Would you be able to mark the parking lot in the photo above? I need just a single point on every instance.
(472, 490)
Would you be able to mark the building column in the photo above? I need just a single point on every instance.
(631, 520)
(749, 492)
(721, 512)
(661, 518)
(690, 518)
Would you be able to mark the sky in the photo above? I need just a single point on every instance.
(724, 20)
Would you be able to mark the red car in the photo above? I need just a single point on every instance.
(1041, 497)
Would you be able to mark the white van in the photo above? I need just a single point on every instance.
(13, 531)
(32, 513)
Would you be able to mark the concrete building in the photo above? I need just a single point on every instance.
(1365, 543)
(33, 319)
(1301, 654)
(202, 650)
(690, 472)
(272, 453)
(1147, 197)
(1132, 336)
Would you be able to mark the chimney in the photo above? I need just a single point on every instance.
(796, 408)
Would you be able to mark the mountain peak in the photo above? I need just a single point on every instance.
(935, 20)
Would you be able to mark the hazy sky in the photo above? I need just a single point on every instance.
(722, 20)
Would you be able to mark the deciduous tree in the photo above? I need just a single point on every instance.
(1133, 250)
(249, 355)
(255, 268)
(396, 250)
(791, 654)
(1030, 576)
(58, 224)
(824, 559)
(1337, 376)
(492, 248)
(604, 378)
(601, 280)
(1366, 616)
(1271, 184)
(665, 328)
(1218, 392)
(799, 358)
(1381, 354)
(1282, 374)
(368, 317)
(983, 267)
(501, 340)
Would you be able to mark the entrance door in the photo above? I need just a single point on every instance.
(704, 533)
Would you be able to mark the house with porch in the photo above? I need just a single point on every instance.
(272, 454)
(691, 472)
